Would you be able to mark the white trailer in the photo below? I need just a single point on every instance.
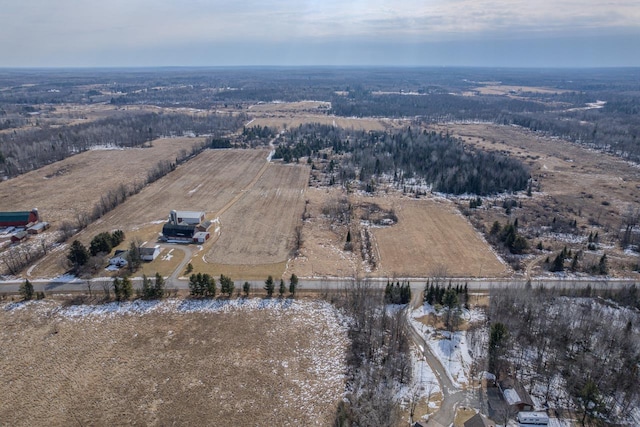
(532, 419)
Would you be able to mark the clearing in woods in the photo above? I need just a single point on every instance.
(73, 185)
(282, 115)
(174, 362)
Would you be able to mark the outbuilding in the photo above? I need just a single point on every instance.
(19, 236)
(149, 254)
(19, 218)
(201, 237)
(479, 420)
(178, 232)
(515, 395)
(38, 228)
(119, 259)
(187, 217)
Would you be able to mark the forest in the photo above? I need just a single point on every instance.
(585, 343)
(430, 94)
(29, 149)
(440, 160)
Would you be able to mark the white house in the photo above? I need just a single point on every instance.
(119, 259)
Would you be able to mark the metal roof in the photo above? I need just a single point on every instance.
(14, 216)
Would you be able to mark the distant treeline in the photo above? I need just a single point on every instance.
(26, 150)
(433, 106)
(439, 159)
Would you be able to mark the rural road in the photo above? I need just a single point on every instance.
(417, 284)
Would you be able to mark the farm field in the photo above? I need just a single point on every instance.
(74, 185)
(205, 183)
(430, 237)
(172, 362)
(290, 120)
(260, 227)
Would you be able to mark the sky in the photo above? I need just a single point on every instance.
(502, 33)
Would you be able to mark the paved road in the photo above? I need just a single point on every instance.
(417, 285)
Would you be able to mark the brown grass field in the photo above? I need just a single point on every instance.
(75, 184)
(263, 363)
(205, 183)
(430, 236)
(259, 228)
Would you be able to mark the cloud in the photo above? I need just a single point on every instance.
(42, 28)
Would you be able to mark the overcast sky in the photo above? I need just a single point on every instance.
(515, 33)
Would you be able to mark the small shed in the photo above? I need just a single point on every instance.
(38, 228)
(149, 254)
(19, 236)
(201, 237)
(204, 226)
(515, 395)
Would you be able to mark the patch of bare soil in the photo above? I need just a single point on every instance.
(176, 362)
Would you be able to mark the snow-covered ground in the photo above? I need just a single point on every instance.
(424, 384)
(450, 348)
(139, 307)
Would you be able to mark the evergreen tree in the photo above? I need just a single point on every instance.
(246, 288)
(209, 285)
(269, 286)
(450, 299)
(603, 267)
(202, 285)
(282, 288)
(26, 290)
(226, 285)
(133, 256)
(78, 255)
(127, 288)
(194, 285)
(388, 294)
(159, 287)
(498, 336)
(293, 284)
(558, 263)
(147, 289)
(117, 289)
